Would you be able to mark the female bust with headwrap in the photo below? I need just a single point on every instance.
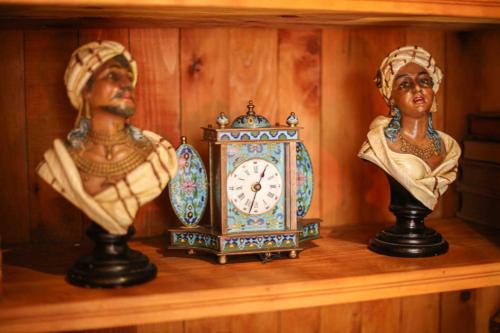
(405, 145)
(106, 167)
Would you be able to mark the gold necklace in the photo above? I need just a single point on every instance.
(108, 169)
(425, 152)
(109, 141)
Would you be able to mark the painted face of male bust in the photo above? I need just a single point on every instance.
(111, 89)
(412, 91)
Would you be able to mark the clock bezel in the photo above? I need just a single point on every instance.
(281, 192)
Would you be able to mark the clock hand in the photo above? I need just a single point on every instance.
(250, 209)
(262, 174)
(257, 188)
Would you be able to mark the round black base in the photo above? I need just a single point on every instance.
(393, 241)
(111, 264)
(409, 237)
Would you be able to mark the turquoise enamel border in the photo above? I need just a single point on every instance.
(263, 242)
(261, 135)
(310, 231)
(192, 239)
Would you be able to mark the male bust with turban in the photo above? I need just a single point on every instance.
(106, 167)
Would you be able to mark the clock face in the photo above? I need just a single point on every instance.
(255, 186)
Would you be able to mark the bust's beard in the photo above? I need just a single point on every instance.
(122, 111)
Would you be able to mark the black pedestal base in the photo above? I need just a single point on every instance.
(395, 242)
(409, 237)
(112, 263)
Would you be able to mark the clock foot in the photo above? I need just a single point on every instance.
(222, 259)
(191, 252)
(293, 254)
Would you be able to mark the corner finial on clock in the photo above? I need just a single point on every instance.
(292, 120)
(183, 140)
(222, 120)
(250, 108)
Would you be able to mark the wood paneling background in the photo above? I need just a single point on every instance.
(465, 311)
(187, 76)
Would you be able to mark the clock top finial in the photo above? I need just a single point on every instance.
(251, 119)
(250, 107)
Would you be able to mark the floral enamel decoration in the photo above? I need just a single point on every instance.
(304, 180)
(188, 189)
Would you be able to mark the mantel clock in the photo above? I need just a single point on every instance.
(259, 187)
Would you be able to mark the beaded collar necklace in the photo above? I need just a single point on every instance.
(424, 152)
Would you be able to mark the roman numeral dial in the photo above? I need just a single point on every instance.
(255, 186)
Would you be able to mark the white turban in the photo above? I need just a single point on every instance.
(400, 57)
(85, 61)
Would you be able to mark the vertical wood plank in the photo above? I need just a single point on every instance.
(259, 322)
(487, 305)
(299, 91)
(253, 71)
(158, 106)
(158, 87)
(118, 35)
(209, 325)
(14, 200)
(174, 327)
(300, 320)
(420, 314)
(381, 316)
(341, 318)
(204, 82)
(434, 42)
(1, 268)
(353, 191)
(461, 97)
(49, 115)
(458, 311)
(490, 70)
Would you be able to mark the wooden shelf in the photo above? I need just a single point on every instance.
(251, 12)
(338, 268)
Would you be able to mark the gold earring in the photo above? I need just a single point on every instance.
(87, 110)
(392, 107)
(434, 105)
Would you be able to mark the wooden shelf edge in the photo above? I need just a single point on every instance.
(157, 308)
(473, 11)
(336, 269)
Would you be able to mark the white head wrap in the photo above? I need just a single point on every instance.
(400, 57)
(85, 61)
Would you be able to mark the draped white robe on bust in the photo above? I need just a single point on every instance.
(115, 208)
(410, 171)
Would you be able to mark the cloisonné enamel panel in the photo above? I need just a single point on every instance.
(256, 176)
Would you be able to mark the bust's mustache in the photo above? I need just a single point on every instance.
(123, 92)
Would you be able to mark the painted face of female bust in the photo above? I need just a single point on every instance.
(412, 91)
(111, 89)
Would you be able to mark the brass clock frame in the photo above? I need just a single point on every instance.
(213, 236)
